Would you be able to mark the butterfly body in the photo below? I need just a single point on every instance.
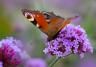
(47, 22)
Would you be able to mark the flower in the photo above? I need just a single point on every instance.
(70, 40)
(10, 53)
(36, 63)
(88, 62)
(1, 64)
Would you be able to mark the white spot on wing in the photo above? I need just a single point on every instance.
(37, 25)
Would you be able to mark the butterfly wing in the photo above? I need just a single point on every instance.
(47, 22)
(56, 24)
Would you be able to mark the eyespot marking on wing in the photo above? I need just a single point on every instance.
(29, 16)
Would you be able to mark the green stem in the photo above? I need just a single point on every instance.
(53, 62)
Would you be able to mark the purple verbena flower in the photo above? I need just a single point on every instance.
(1, 64)
(70, 40)
(10, 53)
(36, 63)
(88, 62)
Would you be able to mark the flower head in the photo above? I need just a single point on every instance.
(36, 63)
(1, 64)
(88, 62)
(10, 53)
(70, 40)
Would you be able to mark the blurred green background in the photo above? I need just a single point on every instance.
(13, 23)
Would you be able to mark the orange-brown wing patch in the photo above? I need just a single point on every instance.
(67, 21)
(41, 21)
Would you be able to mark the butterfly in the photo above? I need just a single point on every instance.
(47, 22)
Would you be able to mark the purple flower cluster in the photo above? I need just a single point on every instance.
(10, 53)
(36, 63)
(88, 62)
(70, 40)
(1, 64)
